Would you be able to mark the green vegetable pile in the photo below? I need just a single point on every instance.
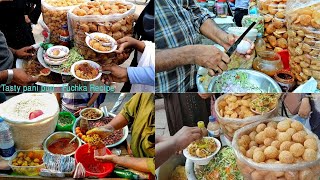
(223, 167)
(74, 56)
(236, 82)
(64, 120)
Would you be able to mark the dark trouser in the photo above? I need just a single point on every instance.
(238, 15)
(185, 109)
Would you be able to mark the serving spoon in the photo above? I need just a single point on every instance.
(102, 43)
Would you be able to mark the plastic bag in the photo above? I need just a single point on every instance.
(116, 25)
(275, 34)
(247, 20)
(230, 125)
(303, 19)
(55, 15)
(252, 170)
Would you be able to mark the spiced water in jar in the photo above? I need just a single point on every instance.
(267, 62)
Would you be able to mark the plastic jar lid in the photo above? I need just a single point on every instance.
(241, 30)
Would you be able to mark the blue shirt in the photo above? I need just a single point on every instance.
(243, 4)
(141, 75)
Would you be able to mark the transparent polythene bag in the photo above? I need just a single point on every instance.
(236, 123)
(303, 19)
(314, 166)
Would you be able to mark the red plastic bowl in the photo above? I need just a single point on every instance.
(87, 160)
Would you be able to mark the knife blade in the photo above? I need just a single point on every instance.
(234, 46)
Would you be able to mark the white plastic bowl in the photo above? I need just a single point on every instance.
(206, 160)
(114, 47)
(64, 51)
(252, 34)
(54, 61)
(93, 64)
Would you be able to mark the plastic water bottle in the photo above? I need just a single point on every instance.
(6, 141)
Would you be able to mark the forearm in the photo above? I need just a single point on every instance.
(212, 31)
(3, 76)
(164, 150)
(14, 51)
(93, 99)
(139, 46)
(167, 59)
(139, 164)
(141, 75)
(118, 122)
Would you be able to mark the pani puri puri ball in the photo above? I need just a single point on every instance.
(311, 144)
(276, 144)
(268, 141)
(257, 175)
(286, 157)
(285, 146)
(309, 155)
(297, 149)
(272, 124)
(299, 137)
(260, 137)
(249, 153)
(271, 152)
(242, 150)
(260, 127)
(297, 125)
(252, 135)
(291, 175)
(258, 156)
(284, 125)
(291, 131)
(270, 132)
(252, 143)
(306, 174)
(284, 136)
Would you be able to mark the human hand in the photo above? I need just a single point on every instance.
(129, 42)
(211, 58)
(205, 95)
(305, 108)
(185, 136)
(21, 78)
(230, 39)
(118, 74)
(106, 158)
(25, 52)
(102, 131)
(26, 18)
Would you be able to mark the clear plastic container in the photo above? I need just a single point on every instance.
(267, 62)
(7, 148)
(27, 170)
(222, 8)
(213, 127)
(260, 45)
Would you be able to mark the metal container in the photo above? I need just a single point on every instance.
(243, 81)
(58, 135)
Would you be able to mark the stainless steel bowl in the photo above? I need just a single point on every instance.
(262, 82)
(58, 135)
(95, 109)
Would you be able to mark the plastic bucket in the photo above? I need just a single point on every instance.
(89, 163)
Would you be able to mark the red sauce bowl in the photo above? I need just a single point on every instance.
(88, 161)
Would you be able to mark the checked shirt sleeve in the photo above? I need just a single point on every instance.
(199, 14)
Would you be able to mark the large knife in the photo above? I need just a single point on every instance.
(234, 46)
